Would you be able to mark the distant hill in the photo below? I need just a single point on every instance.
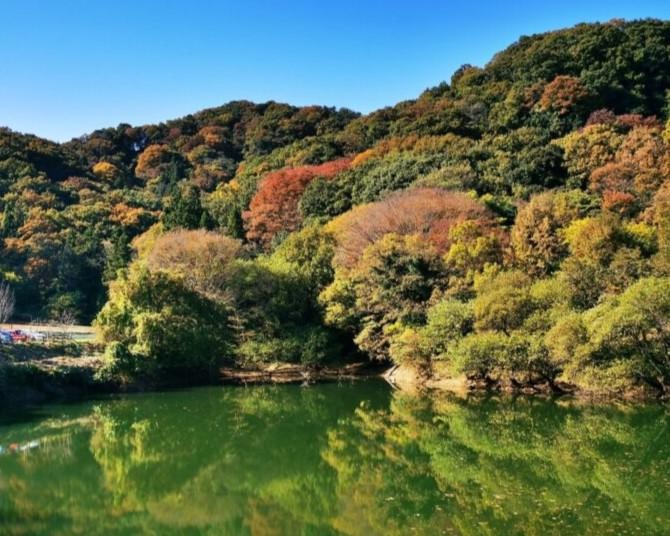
(69, 211)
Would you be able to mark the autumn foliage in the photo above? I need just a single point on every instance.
(152, 161)
(628, 181)
(428, 212)
(200, 257)
(106, 171)
(562, 94)
(274, 208)
(517, 204)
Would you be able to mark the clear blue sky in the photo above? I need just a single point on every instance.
(68, 67)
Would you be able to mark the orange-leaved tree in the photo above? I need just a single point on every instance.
(428, 212)
(275, 208)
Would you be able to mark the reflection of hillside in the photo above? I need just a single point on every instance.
(240, 460)
(516, 466)
(339, 460)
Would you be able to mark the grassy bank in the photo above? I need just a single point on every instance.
(36, 372)
(40, 372)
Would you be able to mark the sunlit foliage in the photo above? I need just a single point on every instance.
(527, 193)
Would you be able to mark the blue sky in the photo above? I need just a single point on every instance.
(68, 67)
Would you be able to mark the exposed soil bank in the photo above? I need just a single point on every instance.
(35, 374)
(290, 373)
(413, 379)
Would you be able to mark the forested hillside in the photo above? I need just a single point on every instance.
(512, 224)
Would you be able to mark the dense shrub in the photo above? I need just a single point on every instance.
(630, 335)
(160, 327)
(495, 356)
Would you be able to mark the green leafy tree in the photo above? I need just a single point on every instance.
(391, 285)
(155, 326)
(503, 301)
(184, 209)
(117, 255)
(629, 337)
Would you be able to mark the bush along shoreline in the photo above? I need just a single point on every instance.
(32, 381)
(193, 302)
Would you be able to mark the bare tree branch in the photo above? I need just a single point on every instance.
(7, 302)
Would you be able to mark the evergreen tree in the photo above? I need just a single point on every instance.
(117, 255)
(183, 209)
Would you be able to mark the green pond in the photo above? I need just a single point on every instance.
(354, 459)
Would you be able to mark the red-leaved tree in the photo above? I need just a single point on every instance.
(274, 208)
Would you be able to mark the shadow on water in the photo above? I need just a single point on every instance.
(336, 459)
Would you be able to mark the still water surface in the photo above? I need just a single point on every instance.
(355, 459)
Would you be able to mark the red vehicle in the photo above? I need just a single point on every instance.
(18, 336)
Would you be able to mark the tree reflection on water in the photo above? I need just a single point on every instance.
(337, 459)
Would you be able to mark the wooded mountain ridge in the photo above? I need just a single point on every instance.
(512, 222)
